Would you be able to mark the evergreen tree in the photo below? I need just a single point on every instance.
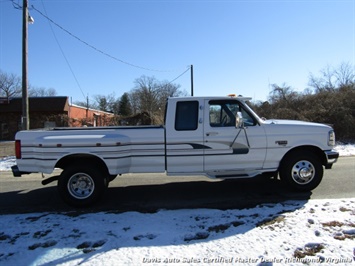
(125, 105)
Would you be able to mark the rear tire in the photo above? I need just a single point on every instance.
(82, 186)
(302, 171)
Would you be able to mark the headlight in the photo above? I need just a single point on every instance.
(331, 138)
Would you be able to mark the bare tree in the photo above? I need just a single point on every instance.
(106, 103)
(146, 91)
(333, 78)
(281, 93)
(345, 75)
(149, 95)
(41, 92)
(10, 85)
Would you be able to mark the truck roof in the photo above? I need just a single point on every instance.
(231, 96)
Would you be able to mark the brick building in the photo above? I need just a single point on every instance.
(47, 112)
(81, 116)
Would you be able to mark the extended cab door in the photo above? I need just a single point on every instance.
(184, 136)
(230, 149)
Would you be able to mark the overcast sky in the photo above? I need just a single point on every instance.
(234, 46)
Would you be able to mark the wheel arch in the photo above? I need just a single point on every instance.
(82, 158)
(306, 148)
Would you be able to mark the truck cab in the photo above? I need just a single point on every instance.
(204, 137)
(222, 137)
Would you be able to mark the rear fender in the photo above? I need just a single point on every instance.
(88, 159)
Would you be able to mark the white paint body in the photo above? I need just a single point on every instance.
(224, 152)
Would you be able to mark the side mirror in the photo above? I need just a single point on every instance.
(239, 120)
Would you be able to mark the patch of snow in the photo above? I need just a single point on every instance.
(345, 149)
(7, 162)
(292, 233)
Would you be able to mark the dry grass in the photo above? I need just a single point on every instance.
(310, 249)
(271, 221)
(7, 148)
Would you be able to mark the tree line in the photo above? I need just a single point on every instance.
(11, 86)
(147, 97)
(329, 99)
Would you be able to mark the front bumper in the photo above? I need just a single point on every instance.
(331, 157)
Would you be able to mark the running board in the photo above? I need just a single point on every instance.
(232, 176)
(235, 174)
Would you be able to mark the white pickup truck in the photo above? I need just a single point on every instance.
(220, 137)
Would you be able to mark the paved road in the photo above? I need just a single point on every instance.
(150, 192)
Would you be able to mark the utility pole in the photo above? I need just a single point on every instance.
(192, 80)
(87, 108)
(25, 119)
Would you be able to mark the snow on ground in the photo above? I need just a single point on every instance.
(7, 162)
(291, 233)
(345, 149)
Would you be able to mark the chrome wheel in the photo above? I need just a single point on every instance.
(81, 185)
(303, 172)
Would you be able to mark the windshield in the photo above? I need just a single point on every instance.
(251, 111)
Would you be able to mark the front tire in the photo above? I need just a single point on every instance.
(82, 186)
(302, 171)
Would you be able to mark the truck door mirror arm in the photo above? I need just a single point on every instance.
(239, 123)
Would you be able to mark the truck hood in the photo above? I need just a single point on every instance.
(293, 123)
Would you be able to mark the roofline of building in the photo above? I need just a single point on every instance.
(93, 110)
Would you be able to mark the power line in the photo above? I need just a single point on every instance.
(96, 49)
(66, 59)
(18, 6)
(180, 75)
(15, 5)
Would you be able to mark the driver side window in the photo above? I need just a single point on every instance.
(219, 117)
(223, 114)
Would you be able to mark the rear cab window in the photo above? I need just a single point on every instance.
(186, 118)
